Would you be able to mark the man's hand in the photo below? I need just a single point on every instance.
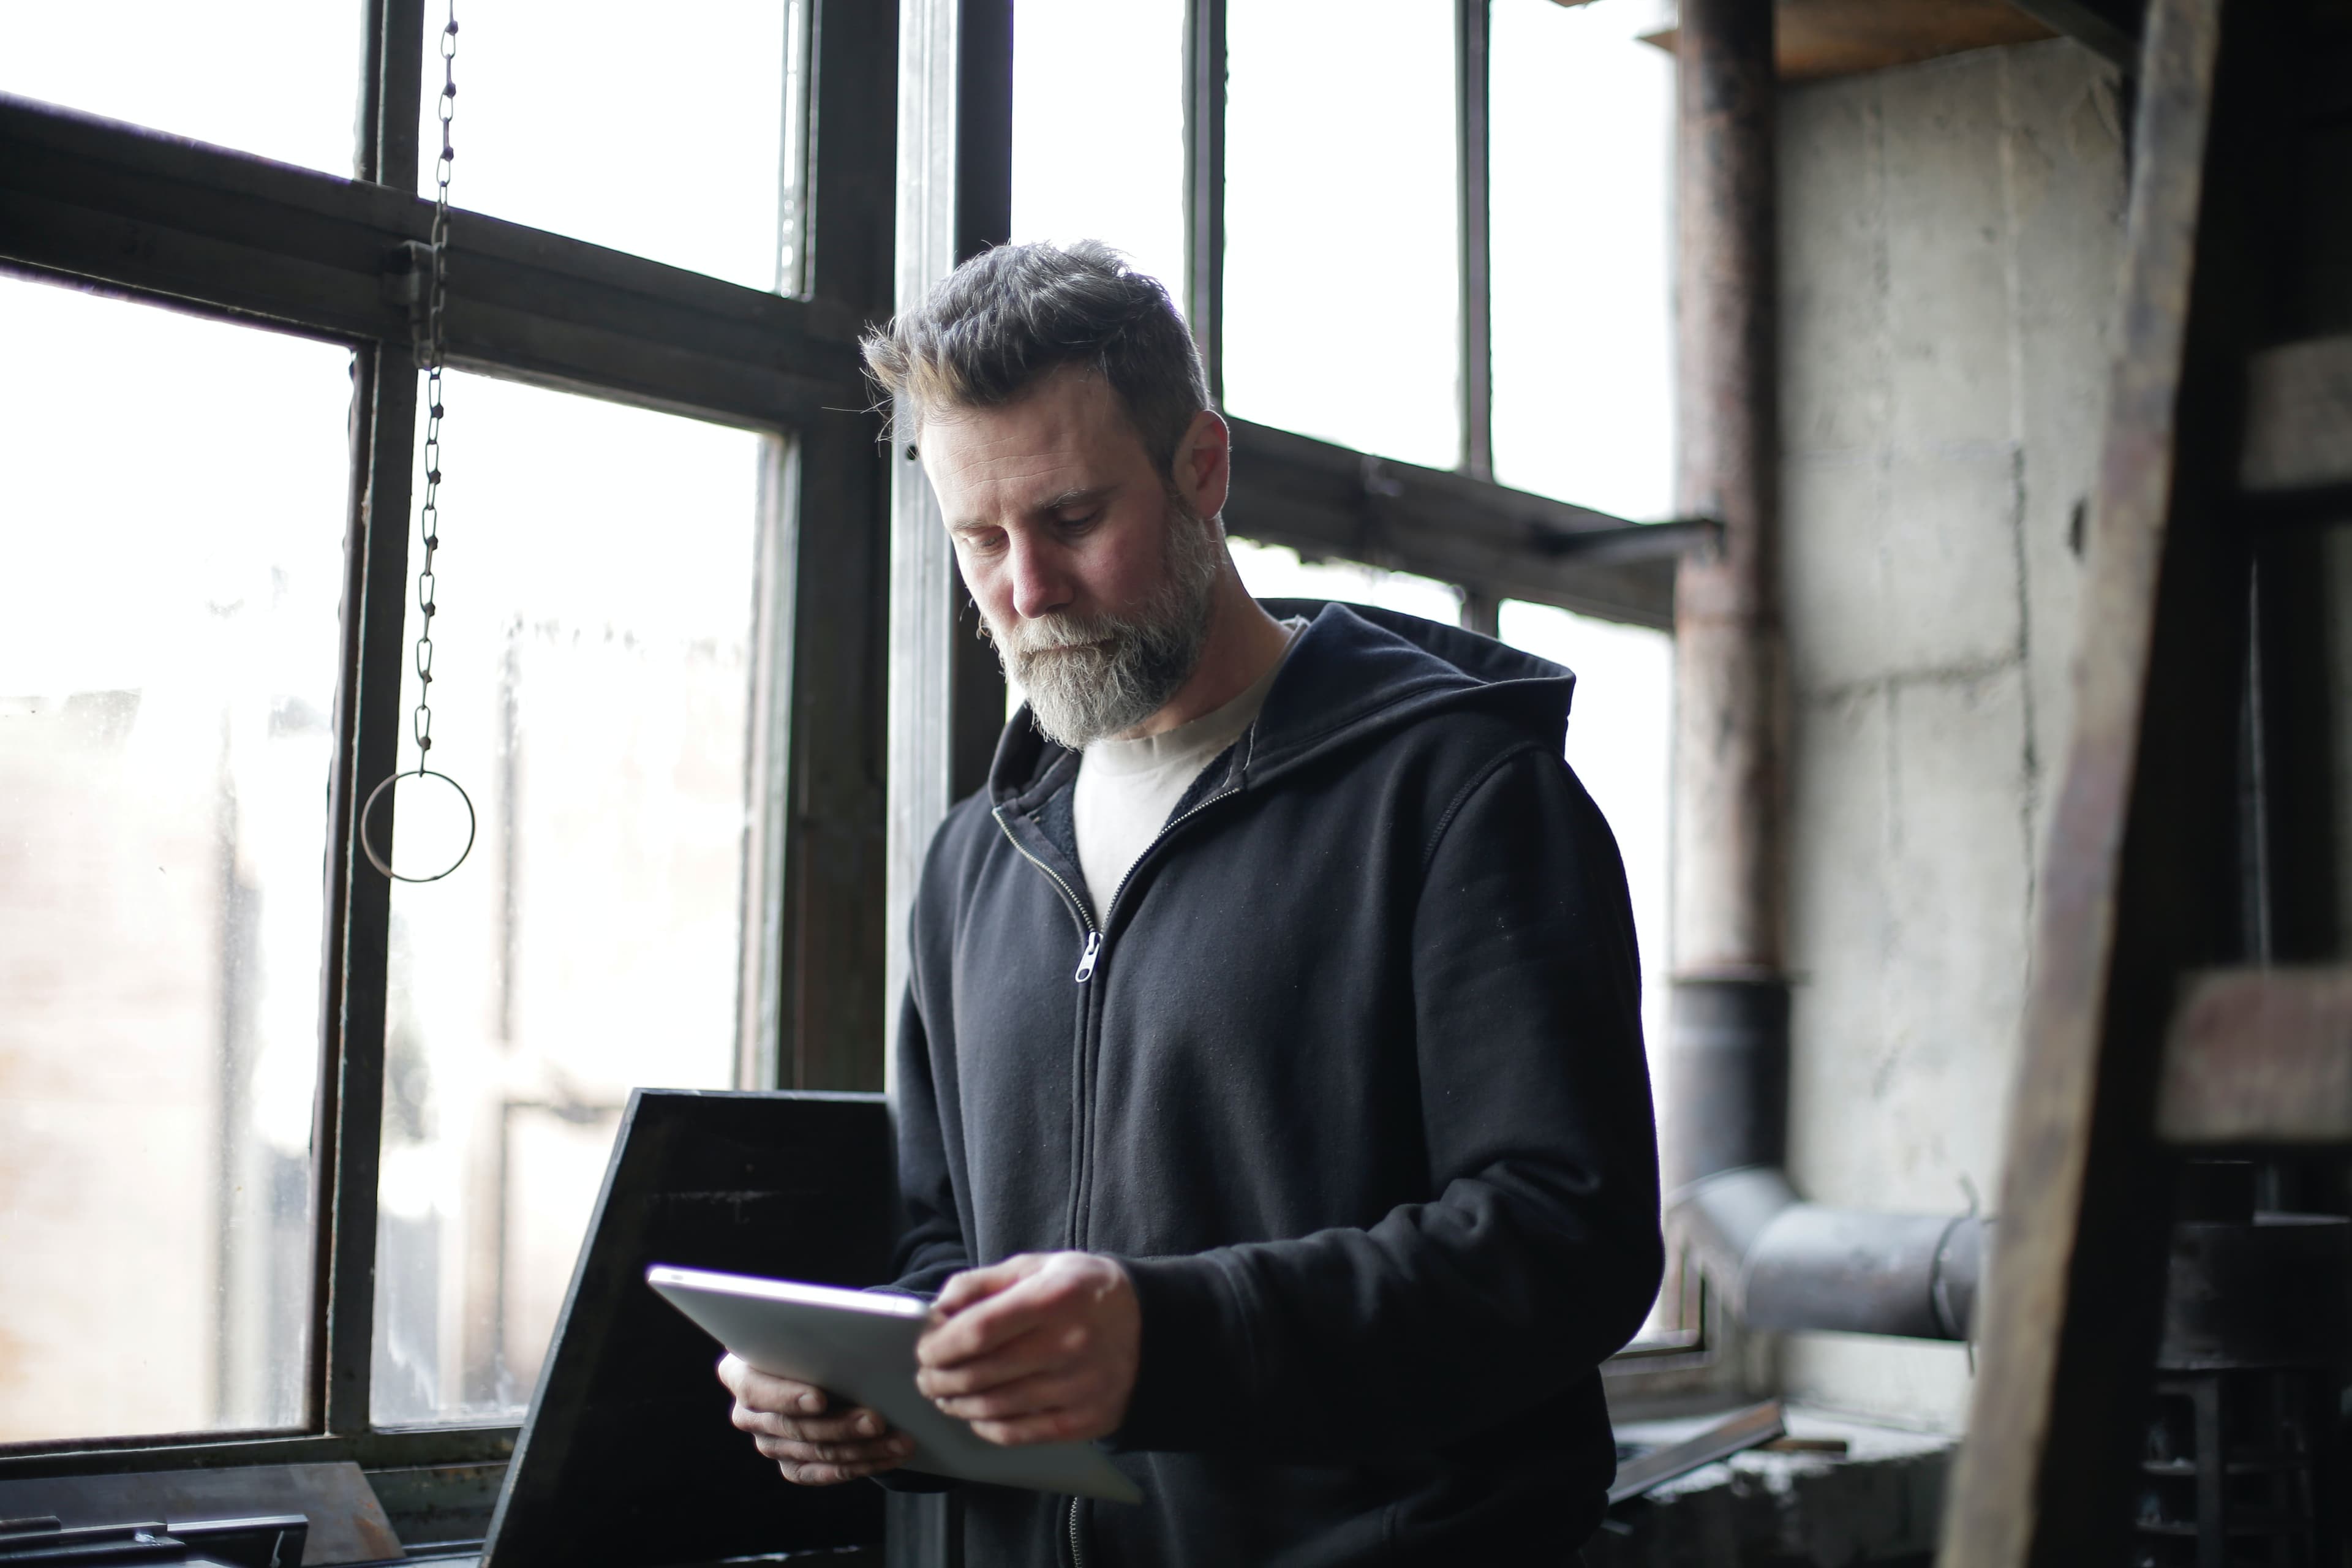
(1040, 1348)
(813, 1444)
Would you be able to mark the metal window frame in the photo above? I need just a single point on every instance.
(135, 213)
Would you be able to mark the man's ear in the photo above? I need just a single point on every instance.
(1204, 465)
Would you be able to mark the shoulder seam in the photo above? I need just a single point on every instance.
(1462, 797)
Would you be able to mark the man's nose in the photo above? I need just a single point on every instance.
(1042, 582)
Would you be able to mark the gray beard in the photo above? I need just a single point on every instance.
(1087, 676)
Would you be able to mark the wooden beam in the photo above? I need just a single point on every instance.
(1819, 38)
(1328, 500)
(165, 218)
(2139, 882)
(2260, 1056)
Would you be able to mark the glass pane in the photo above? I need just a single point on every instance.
(1620, 741)
(1098, 128)
(591, 691)
(168, 657)
(1342, 265)
(1274, 572)
(280, 77)
(661, 132)
(1582, 167)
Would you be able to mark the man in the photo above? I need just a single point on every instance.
(1272, 1103)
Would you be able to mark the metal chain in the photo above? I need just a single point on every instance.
(421, 725)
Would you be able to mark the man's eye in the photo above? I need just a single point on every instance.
(1080, 522)
(981, 544)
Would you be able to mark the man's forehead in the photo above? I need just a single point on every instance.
(1068, 434)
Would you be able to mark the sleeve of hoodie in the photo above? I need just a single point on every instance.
(1538, 1254)
(931, 1244)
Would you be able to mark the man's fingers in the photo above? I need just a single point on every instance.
(1048, 1426)
(764, 1391)
(990, 1324)
(880, 1451)
(1017, 1399)
(850, 1425)
(1023, 1356)
(978, 1284)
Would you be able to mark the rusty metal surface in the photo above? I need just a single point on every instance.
(2260, 1056)
(1730, 722)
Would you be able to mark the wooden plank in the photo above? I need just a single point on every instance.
(220, 231)
(1328, 501)
(2298, 418)
(1819, 38)
(2260, 1056)
(2138, 882)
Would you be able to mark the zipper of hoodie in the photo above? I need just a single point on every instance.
(1092, 947)
(1090, 951)
(1077, 1538)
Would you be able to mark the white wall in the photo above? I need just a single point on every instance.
(1950, 238)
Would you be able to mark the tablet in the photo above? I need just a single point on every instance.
(860, 1345)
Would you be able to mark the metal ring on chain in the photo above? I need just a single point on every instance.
(384, 862)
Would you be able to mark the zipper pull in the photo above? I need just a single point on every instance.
(1087, 959)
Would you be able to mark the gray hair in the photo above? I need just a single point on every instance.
(1009, 317)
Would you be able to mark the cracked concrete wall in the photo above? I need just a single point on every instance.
(1951, 234)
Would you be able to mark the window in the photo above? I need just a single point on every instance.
(336, 1138)
(1341, 282)
(1582, 118)
(170, 654)
(592, 683)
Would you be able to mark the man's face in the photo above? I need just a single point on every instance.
(1096, 575)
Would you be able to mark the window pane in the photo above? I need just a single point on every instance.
(280, 77)
(1342, 266)
(658, 132)
(1098, 128)
(168, 657)
(1620, 741)
(1582, 125)
(591, 691)
(1275, 572)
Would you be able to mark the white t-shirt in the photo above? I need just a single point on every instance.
(1126, 789)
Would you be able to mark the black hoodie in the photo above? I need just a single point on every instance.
(1350, 1077)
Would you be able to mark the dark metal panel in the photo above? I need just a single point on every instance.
(1330, 501)
(390, 82)
(1471, 18)
(834, 1014)
(627, 1458)
(348, 1137)
(853, 154)
(983, 185)
(1204, 184)
(983, 219)
(217, 1450)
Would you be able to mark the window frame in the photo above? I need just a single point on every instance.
(123, 211)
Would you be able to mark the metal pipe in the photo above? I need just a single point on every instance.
(1787, 1264)
(1781, 1263)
